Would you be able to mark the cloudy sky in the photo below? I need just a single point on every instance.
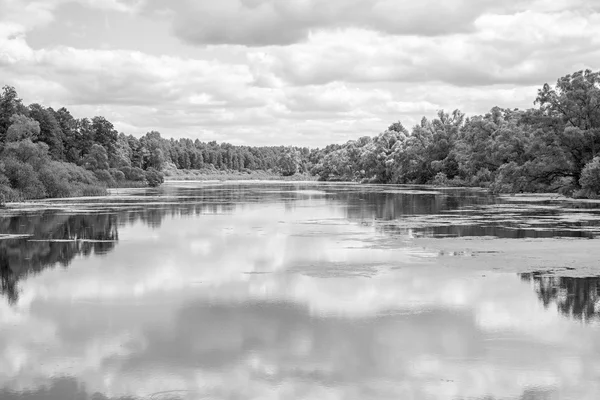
(304, 72)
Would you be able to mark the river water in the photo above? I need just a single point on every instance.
(289, 291)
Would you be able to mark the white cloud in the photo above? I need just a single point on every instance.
(358, 69)
(518, 49)
(264, 22)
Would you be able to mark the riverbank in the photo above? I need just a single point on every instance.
(228, 175)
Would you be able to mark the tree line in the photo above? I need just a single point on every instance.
(49, 153)
(551, 147)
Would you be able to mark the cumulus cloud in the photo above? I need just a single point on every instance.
(519, 49)
(300, 72)
(265, 22)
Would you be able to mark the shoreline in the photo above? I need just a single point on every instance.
(219, 175)
(541, 198)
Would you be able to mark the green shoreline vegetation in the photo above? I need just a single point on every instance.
(213, 174)
(553, 147)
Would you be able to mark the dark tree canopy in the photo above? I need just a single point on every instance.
(551, 147)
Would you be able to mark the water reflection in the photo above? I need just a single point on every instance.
(61, 389)
(574, 297)
(51, 239)
(275, 291)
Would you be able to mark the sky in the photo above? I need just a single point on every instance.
(293, 72)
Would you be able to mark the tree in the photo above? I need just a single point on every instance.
(590, 177)
(289, 162)
(123, 152)
(154, 177)
(10, 104)
(85, 137)
(575, 99)
(570, 116)
(155, 157)
(96, 159)
(106, 136)
(50, 131)
(22, 127)
(68, 127)
(27, 152)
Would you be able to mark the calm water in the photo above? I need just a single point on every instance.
(288, 291)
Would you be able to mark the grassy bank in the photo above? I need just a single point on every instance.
(230, 175)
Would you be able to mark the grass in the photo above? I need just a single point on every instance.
(128, 185)
(218, 175)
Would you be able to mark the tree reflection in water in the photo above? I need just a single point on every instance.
(55, 239)
(577, 298)
(59, 389)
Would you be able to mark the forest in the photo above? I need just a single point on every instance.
(551, 147)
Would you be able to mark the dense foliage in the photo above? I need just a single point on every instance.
(553, 147)
(49, 153)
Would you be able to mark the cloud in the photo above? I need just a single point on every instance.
(345, 72)
(273, 22)
(520, 49)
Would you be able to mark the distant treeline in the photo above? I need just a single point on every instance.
(552, 147)
(49, 153)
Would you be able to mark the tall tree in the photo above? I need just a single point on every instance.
(10, 104)
(22, 128)
(106, 135)
(50, 130)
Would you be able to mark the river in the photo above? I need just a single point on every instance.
(267, 290)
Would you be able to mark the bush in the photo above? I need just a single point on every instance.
(155, 178)
(8, 194)
(440, 179)
(133, 173)
(55, 185)
(23, 178)
(72, 173)
(66, 180)
(117, 175)
(90, 190)
(27, 172)
(590, 177)
(514, 178)
(483, 177)
(105, 177)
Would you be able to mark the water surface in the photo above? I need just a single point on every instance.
(289, 291)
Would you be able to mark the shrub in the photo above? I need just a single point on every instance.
(440, 179)
(97, 158)
(105, 177)
(117, 175)
(90, 190)
(27, 152)
(56, 185)
(133, 173)
(23, 178)
(9, 194)
(514, 178)
(590, 176)
(27, 172)
(483, 177)
(155, 178)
